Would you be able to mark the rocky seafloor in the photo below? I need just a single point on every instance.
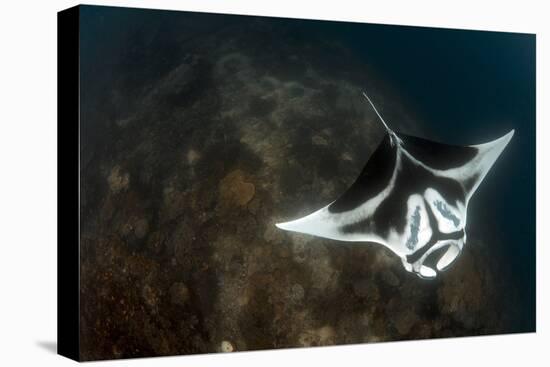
(192, 148)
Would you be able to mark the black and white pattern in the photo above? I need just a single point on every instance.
(412, 197)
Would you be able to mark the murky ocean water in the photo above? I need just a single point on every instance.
(199, 132)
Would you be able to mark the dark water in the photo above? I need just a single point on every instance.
(468, 87)
(165, 239)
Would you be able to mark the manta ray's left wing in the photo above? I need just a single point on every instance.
(373, 186)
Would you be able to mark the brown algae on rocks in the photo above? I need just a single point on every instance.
(235, 190)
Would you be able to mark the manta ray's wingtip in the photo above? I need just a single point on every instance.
(310, 224)
(505, 139)
(510, 134)
(286, 226)
(501, 142)
(280, 225)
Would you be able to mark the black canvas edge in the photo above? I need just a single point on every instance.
(68, 184)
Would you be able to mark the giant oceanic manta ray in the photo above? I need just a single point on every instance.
(411, 197)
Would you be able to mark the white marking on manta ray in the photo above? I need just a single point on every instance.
(450, 220)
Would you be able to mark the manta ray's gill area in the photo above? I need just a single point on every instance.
(200, 135)
(436, 236)
(414, 228)
(444, 210)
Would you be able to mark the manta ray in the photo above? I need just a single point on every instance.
(411, 197)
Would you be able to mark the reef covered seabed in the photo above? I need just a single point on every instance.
(193, 147)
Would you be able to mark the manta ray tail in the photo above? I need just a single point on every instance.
(393, 136)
